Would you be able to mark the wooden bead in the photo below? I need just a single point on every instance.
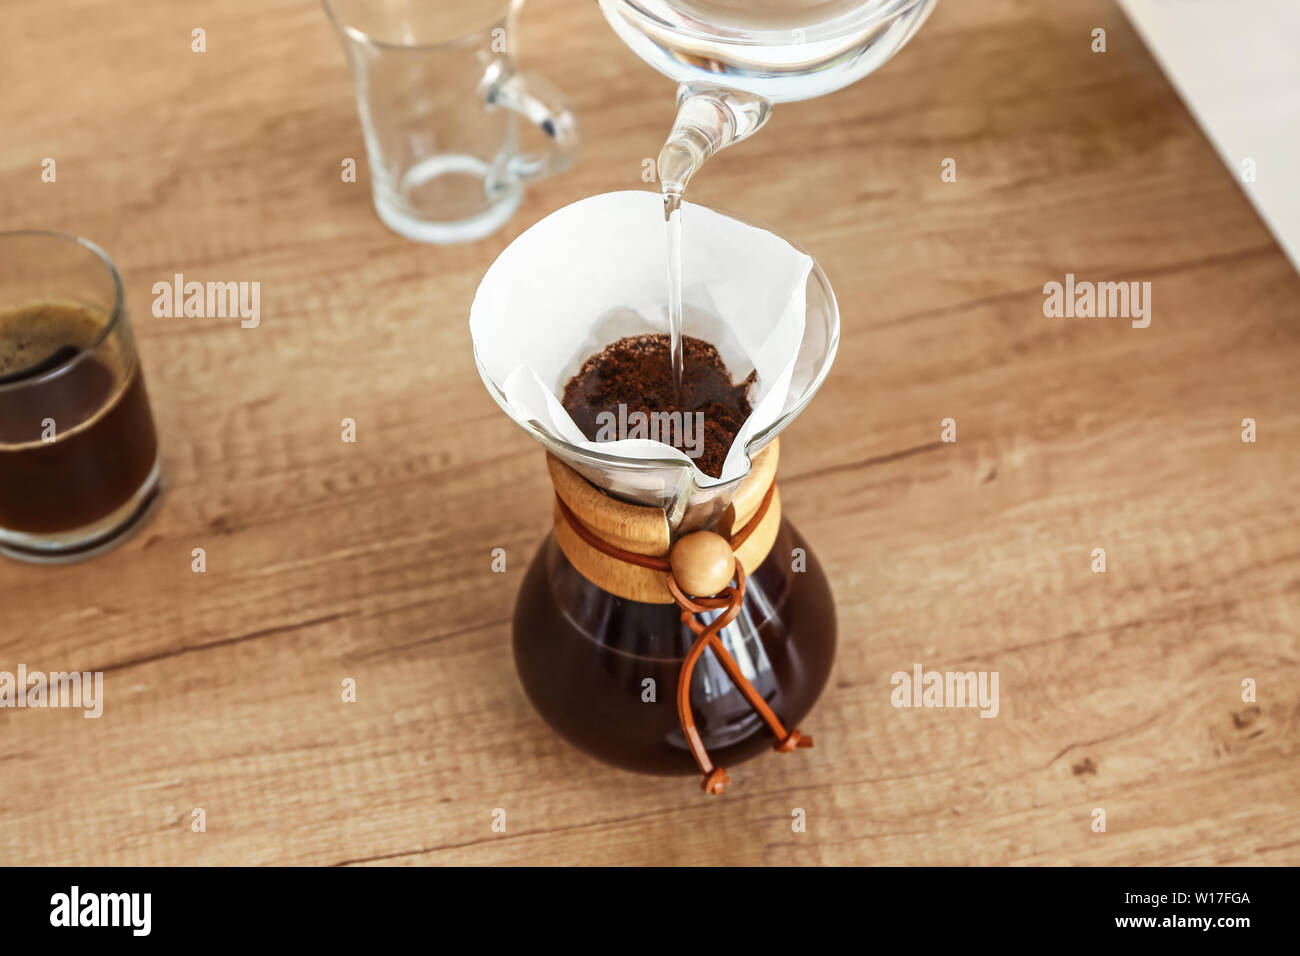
(702, 563)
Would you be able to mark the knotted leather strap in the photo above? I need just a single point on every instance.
(729, 599)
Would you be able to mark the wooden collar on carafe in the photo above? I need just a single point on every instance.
(628, 551)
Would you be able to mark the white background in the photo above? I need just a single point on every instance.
(1236, 64)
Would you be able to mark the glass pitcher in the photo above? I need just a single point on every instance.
(780, 50)
(734, 58)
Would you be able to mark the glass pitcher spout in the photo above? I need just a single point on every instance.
(709, 119)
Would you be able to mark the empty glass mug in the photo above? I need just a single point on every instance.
(439, 96)
(78, 454)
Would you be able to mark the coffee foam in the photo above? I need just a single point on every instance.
(34, 331)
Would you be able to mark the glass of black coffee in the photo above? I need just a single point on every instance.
(79, 462)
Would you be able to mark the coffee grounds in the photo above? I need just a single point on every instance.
(636, 372)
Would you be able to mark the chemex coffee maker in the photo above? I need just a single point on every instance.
(676, 622)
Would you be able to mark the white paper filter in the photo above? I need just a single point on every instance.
(596, 271)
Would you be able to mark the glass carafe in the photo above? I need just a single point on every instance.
(585, 656)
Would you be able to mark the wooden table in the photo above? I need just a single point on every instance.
(372, 561)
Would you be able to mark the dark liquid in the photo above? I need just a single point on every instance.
(583, 654)
(104, 445)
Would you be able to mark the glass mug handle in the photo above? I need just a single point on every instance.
(538, 100)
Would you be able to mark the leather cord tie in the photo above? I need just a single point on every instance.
(729, 600)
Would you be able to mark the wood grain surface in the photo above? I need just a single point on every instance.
(372, 561)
